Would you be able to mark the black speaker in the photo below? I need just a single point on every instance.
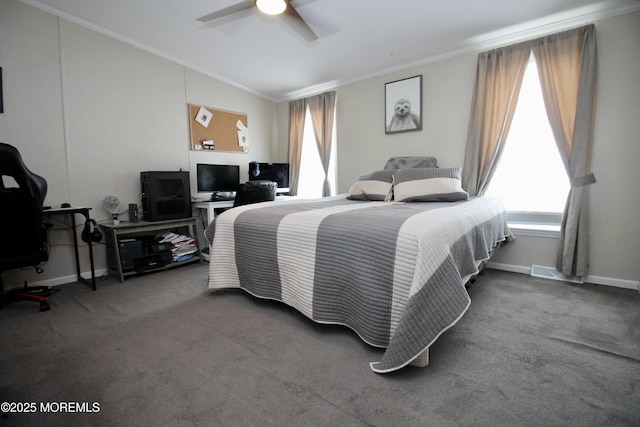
(91, 232)
(133, 212)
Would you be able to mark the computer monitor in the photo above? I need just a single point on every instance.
(276, 172)
(216, 179)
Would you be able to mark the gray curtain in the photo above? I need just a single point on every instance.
(567, 68)
(297, 113)
(498, 80)
(321, 109)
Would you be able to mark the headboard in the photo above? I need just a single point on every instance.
(409, 162)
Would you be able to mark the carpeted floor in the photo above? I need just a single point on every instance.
(162, 350)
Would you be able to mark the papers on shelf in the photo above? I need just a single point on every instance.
(182, 247)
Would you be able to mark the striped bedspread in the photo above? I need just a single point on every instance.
(393, 272)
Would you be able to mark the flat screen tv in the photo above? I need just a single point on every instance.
(165, 195)
(276, 172)
(216, 179)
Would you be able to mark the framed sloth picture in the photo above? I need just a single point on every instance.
(403, 105)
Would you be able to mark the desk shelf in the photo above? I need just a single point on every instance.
(115, 233)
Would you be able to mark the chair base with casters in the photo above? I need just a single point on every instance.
(28, 293)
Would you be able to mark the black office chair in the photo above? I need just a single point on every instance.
(24, 236)
(247, 193)
(255, 192)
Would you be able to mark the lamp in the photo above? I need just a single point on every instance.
(271, 7)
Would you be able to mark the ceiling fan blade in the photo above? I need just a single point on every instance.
(298, 3)
(291, 18)
(228, 11)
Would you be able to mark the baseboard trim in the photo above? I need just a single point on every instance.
(596, 280)
(510, 267)
(57, 281)
(610, 281)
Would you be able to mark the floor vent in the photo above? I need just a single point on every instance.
(553, 274)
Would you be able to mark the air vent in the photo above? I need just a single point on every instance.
(553, 274)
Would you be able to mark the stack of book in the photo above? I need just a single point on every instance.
(182, 247)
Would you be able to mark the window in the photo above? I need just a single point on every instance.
(530, 177)
(311, 171)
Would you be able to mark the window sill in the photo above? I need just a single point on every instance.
(536, 224)
(535, 230)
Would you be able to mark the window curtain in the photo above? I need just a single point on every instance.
(321, 109)
(297, 112)
(567, 68)
(498, 80)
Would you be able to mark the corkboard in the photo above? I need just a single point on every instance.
(221, 129)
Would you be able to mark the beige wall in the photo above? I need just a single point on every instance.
(89, 112)
(448, 85)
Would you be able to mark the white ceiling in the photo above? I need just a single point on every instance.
(357, 38)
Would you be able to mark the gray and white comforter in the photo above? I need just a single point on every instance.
(393, 272)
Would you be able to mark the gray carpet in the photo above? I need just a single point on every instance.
(162, 350)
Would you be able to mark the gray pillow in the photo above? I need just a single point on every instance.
(428, 185)
(374, 186)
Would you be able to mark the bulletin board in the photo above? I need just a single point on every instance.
(217, 130)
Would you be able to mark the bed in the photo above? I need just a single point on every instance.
(390, 259)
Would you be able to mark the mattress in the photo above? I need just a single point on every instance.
(393, 272)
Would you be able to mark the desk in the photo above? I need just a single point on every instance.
(225, 204)
(72, 211)
(211, 207)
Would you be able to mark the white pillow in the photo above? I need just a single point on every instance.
(374, 186)
(428, 185)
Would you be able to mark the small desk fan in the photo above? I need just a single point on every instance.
(112, 204)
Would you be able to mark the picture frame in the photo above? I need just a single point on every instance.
(403, 105)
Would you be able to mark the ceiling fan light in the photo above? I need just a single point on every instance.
(271, 7)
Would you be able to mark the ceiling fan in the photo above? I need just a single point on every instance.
(284, 10)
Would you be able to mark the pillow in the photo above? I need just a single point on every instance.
(428, 185)
(374, 186)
